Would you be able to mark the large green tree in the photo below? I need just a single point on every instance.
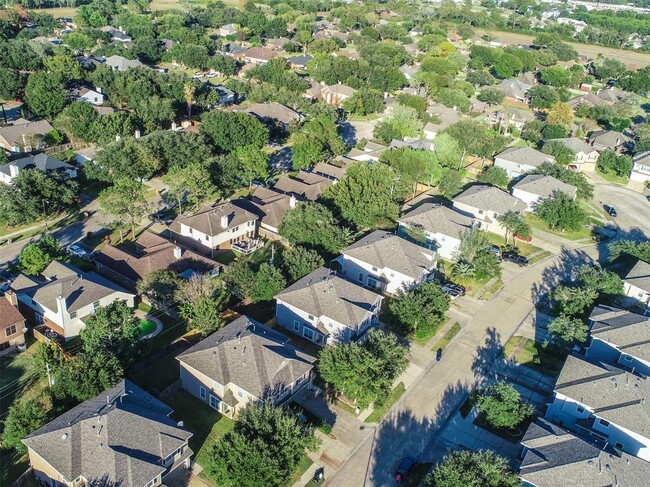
(561, 212)
(315, 141)
(24, 417)
(45, 94)
(201, 300)
(191, 183)
(469, 468)
(159, 287)
(313, 225)
(503, 406)
(230, 130)
(125, 200)
(35, 257)
(420, 310)
(402, 122)
(299, 261)
(568, 331)
(125, 158)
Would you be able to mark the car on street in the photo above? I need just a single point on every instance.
(611, 211)
(516, 258)
(439, 355)
(77, 251)
(405, 466)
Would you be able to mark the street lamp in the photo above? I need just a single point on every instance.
(44, 214)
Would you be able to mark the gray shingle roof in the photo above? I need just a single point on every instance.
(77, 287)
(300, 60)
(250, 355)
(323, 294)
(41, 161)
(13, 134)
(436, 218)
(639, 276)
(574, 145)
(275, 111)
(525, 156)
(386, 250)
(304, 185)
(121, 63)
(642, 158)
(208, 219)
(270, 205)
(608, 138)
(489, 198)
(544, 186)
(514, 88)
(613, 394)
(120, 436)
(556, 457)
(629, 332)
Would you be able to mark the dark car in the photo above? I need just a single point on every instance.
(611, 211)
(439, 355)
(495, 249)
(405, 466)
(516, 258)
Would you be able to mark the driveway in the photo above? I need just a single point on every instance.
(415, 423)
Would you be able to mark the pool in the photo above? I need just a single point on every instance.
(146, 327)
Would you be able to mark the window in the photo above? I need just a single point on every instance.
(214, 402)
(628, 358)
(191, 230)
(580, 409)
(480, 212)
(619, 445)
(10, 330)
(372, 282)
(202, 392)
(206, 237)
(296, 325)
(96, 305)
(603, 422)
(216, 385)
(235, 229)
(39, 318)
(240, 392)
(361, 276)
(308, 333)
(4, 346)
(73, 315)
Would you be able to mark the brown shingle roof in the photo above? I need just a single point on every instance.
(208, 219)
(9, 315)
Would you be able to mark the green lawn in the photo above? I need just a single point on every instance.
(447, 337)
(524, 248)
(392, 398)
(613, 178)
(536, 222)
(534, 356)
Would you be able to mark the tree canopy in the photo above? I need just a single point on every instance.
(420, 310)
(313, 226)
(472, 469)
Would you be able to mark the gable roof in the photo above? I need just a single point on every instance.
(208, 219)
(437, 218)
(526, 156)
(485, 197)
(304, 185)
(628, 332)
(115, 33)
(340, 89)
(334, 169)
(250, 355)
(301, 60)
(555, 457)
(270, 205)
(639, 276)
(544, 186)
(514, 88)
(574, 145)
(121, 63)
(42, 162)
(121, 436)
(9, 315)
(263, 53)
(13, 133)
(608, 138)
(589, 99)
(323, 293)
(275, 111)
(154, 253)
(386, 250)
(79, 288)
(642, 158)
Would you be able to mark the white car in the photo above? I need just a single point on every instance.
(77, 250)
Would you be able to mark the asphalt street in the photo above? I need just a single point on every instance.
(633, 210)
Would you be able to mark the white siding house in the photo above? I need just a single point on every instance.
(519, 160)
(641, 167)
(534, 188)
(636, 285)
(485, 204)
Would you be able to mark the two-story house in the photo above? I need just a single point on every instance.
(619, 337)
(24, 136)
(41, 162)
(516, 161)
(386, 262)
(12, 324)
(443, 228)
(485, 204)
(64, 296)
(325, 308)
(124, 437)
(636, 286)
(641, 167)
(584, 155)
(608, 140)
(216, 227)
(534, 188)
(83, 93)
(603, 401)
(243, 362)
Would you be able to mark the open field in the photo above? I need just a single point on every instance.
(632, 59)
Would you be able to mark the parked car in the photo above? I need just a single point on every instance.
(453, 292)
(77, 251)
(611, 211)
(455, 287)
(439, 355)
(516, 258)
(495, 249)
(405, 466)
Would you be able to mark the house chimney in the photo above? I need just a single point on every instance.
(137, 134)
(178, 252)
(174, 126)
(292, 201)
(98, 89)
(224, 221)
(62, 308)
(13, 170)
(11, 297)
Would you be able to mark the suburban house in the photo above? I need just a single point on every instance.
(589, 99)
(226, 96)
(278, 43)
(636, 285)
(510, 117)
(336, 94)
(274, 112)
(619, 337)
(443, 228)
(24, 136)
(334, 169)
(371, 152)
(88, 95)
(325, 308)
(534, 188)
(86, 154)
(517, 161)
(447, 116)
(119, 63)
(116, 34)
(299, 62)
(64, 296)
(608, 139)
(227, 30)
(603, 401)
(224, 226)
(485, 203)
(270, 207)
(243, 362)
(152, 253)
(124, 437)
(515, 91)
(386, 262)
(409, 71)
(585, 156)
(259, 55)
(12, 324)
(41, 162)
(304, 185)
(641, 167)
(553, 456)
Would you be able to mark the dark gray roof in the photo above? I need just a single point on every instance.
(555, 457)
(611, 392)
(608, 138)
(525, 155)
(77, 287)
(306, 185)
(639, 276)
(386, 250)
(436, 218)
(300, 60)
(629, 332)
(41, 161)
(251, 356)
(120, 436)
(544, 186)
(323, 293)
(485, 197)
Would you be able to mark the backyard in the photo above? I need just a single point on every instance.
(533, 355)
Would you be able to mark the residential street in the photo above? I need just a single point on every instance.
(417, 419)
(633, 209)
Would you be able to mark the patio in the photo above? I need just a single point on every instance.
(246, 247)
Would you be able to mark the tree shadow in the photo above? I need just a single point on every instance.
(486, 355)
(348, 133)
(564, 269)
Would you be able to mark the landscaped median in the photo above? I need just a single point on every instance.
(447, 337)
(379, 411)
